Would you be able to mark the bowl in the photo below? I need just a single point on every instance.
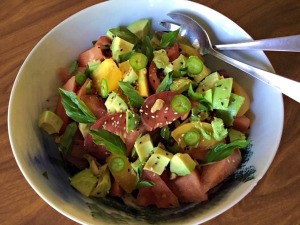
(36, 154)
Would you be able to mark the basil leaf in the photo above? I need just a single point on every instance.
(147, 48)
(165, 84)
(67, 138)
(168, 39)
(75, 108)
(142, 183)
(222, 151)
(199, 97)
(165, 133)
(133, 96)
(111, 141)
(124, 57)
(125, 34)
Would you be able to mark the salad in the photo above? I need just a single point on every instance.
(141, 115)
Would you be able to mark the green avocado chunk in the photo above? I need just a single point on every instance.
(84, 181)
(158, 161)
(228, 115)
(120, 47)
(182, 164)
(114, 103)
(221, 93)
(140, 28)
(143, 146)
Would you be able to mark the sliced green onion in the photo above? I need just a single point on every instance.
(181, 104)
(117, 164)
(138, 61)
(80, 78)
(191, 138)
(104, 88)
(194, 65)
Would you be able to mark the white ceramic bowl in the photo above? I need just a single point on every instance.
(37, 82)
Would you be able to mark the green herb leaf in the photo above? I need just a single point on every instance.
(147, 48)
(142, 183)
(67, 138)
(125, 34)
(199, 97)
(75, 108)
(111, 141)
(133, 96)
(165, 84)
(165, 133)
(221, 151)
(168, 39)
(124, 57)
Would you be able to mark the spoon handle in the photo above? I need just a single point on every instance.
(288, 43)
(286, 86)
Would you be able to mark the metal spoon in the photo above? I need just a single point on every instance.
(193, 31)
(286, 44)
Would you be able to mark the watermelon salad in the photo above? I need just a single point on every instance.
(141, 115)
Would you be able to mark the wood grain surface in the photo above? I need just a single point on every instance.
(276, 198)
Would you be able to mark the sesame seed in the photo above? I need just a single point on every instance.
(153, 117)
(141, 110)
(147, 106)
(167, 108)
(121, 115)
(146, 114)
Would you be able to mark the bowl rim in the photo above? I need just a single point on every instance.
(78, 220)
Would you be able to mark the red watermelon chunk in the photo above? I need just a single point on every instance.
(158, 194)
(165, 115)
(189, 188)
(153, 79)
(115, 123)
(173, 52)
(95, 104)
(214, 174)
(90, 55)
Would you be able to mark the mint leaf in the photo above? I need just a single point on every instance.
(142, 183)
(147, 48)
(67, 138)
(125, 34)
(124, 57)
(199, 97)
(222, 151)
(165, 84)
(111, 141)
(168, 39)
(75, 108)
(133, 96)
(73, 67)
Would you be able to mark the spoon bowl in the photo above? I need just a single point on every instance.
(200, 39)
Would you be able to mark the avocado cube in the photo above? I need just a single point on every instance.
(158, 161)
(120, 47)
(114, 103)
(140, 28)
(219, 131)
(221, 93)
(228, 115)
(144, 147)
(161, 59)
(180, 85)
(103, 186)
(182, 164)
(208, 82)
(178, 65)
(84, 181)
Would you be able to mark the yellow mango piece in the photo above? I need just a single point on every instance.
(239, 90)
(143, 87)
(189, 51)
(204, 143)
(108, 70)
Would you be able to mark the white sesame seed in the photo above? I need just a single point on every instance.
(167, 108)
(147, 106)
(146, 114)
(141, 110)
(153, 117)
(121, 115)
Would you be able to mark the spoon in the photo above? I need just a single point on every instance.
(199, 38)
(288, 43)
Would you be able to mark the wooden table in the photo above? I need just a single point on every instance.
(276, 198)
